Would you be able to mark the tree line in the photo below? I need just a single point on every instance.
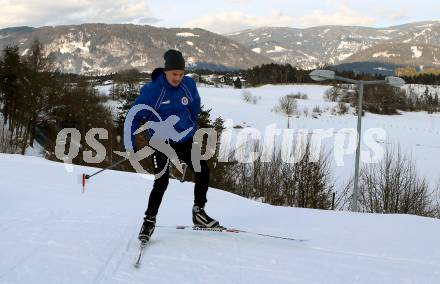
(37, 101)
(275, 73)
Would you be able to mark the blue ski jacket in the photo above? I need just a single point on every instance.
(182, 101)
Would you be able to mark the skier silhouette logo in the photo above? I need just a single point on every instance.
(163, 132)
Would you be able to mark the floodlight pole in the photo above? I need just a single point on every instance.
(354, 204)
(360, 84)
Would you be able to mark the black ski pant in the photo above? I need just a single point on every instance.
(161, 161)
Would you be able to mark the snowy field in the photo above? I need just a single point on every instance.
(417, 133)
(53, 233)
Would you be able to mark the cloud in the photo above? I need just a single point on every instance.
(399, 14)
(50, 12)
(344, 15)
(227, 22)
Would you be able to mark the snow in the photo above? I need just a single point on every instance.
(257, 50)
(388, 31)
(189, 43)
(308, 56)
(256, 39)
(425, 26)
(416, 52)
(420, 89)
(384, 54)
(417, 133)
(379, 37)
(104, 89)
(232, 34)
(347, 44)
(187, 35)
(37, 150)
(199, 50)
(25, 52)
(382, 69)
(53, 233)
(66, 46)
(423, 32)
(85, 66)
(343, 56)
(113, 106)
(277, 49)
(191, 60)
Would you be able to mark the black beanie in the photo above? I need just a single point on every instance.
(174, 60)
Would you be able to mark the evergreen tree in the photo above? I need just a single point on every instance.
(41, 90)
(11, 76)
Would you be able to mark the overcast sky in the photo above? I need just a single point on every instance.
(220, 16)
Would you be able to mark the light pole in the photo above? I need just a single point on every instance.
(321, 75)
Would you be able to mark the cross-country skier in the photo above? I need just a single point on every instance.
(172, 94)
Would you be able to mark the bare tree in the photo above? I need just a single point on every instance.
(341, 108)
(7, 142)
(302, 184)
(331, 94)
(247, 96)
(288, 106)
(394, 186)
(343, 196)
(436, 194)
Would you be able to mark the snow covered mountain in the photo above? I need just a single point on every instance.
(53, 233)
(102, 48)
(412, 44)
(404, 54)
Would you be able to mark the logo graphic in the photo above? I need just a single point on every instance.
(185, 101)
(163, 132)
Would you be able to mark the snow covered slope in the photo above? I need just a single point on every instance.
(52, 233)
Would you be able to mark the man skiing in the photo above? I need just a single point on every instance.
(172, 95)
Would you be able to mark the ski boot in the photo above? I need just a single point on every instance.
(202, 220)
(147, 228)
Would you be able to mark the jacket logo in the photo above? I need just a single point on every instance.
(185, 101)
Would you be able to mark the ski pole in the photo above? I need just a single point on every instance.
(86, 177)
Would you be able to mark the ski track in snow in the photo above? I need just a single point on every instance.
(101, 275)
